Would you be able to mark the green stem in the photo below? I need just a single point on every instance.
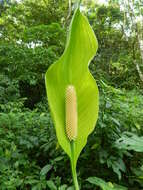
(73, 167)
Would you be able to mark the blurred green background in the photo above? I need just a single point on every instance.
(32, 37)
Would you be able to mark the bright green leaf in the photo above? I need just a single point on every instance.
(104, 185)
(72, 68)
(130, 141)
(51, 185)
(45, 169)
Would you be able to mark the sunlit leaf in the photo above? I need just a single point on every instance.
(72, 68)
(105, 185)
(45, 169)
(130, 141)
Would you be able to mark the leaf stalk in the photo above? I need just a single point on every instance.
(73, 167)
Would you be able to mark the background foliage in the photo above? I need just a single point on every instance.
(32, 37)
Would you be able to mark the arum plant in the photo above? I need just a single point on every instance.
(72, 91)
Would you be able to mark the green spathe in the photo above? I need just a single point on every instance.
(72, 69)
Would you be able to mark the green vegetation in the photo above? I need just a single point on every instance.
(32, 37)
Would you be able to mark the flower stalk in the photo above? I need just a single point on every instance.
(73, 167)
(71, 127)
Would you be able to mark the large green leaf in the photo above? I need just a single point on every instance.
(72, 68)
(130, 141)
(105, 185)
